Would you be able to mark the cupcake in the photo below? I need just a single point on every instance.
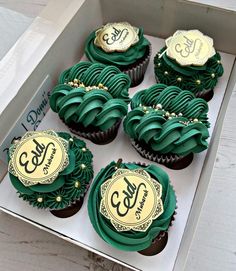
(91, 99)
(51, 170)
(131, 207)
(168, 125)
(190, 62)
(122, 45)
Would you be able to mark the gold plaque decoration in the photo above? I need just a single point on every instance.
(38, 157)
(116, 37)
(190, 47)
(131, 200)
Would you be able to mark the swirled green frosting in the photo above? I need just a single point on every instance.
(86, 103)
(119, 59)
(169, 120)
(131, 240)
(192, 78)
(70, 185)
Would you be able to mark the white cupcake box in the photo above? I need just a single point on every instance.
(54, 42)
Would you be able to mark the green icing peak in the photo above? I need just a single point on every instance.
(192, 78)
(70, 185)
(169, 120)
(120, 59)
(92, 95)
(131, 240)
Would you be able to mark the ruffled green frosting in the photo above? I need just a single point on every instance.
(70, 185)
(131, 240)
(119, 59)
(169, 120)
(96, 107)
(193, 78)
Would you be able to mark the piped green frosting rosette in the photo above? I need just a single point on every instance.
(91, 97)
(167, 120)
(196, 79)
(131, 240)
(70, 184)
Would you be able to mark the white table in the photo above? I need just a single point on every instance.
(24, 247)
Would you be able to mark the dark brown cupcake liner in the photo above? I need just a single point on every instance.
(207, 95)
(137, 72)
(70, 210)
(73, 208)
(97, 137)
(172, 161)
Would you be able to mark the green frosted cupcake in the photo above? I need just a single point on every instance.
(190, 62)
(168, 125)
(121, 45)
(131, 207)
(92, 100)
(51, 170)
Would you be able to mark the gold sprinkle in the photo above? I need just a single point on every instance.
(58, 198)
(83, 166)
(198, 82)
(179, 79)
(77, 184)
(40, 199)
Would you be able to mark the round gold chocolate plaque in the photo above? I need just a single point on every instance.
(190, 47)
(116, 37)
(131, 199)
(38, 157)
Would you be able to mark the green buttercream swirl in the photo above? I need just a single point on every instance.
(120, 59)
(131, 240)
(192, 78)
(179, 127)
(70, 185)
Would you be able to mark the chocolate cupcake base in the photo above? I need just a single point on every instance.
(137, 70)
(69, 211)
(158, 244)
(97, 137)
(172, 161)
(207, 95)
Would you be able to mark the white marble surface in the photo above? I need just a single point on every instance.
(24, 247)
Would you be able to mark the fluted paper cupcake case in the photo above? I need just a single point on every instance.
(98, 137)
(137, 72)
(172, 161)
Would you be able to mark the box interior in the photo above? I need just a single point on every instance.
(163, 20)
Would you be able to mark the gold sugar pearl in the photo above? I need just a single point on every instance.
(76, 81)
(166, 73)
(76, 85)
(77, 184)
(159, 64)
(179, 79)
(84, 149)
(83, 166)
(195, 120)
(71, 139)
(173, 114)
(58, 199)
(144, 108)
(198, 82)
(218, 62)
(180, 114)
(167, 114)
(169, 118)
(100, 85)
(213, 75)
(146, 112)
(158, 106)
(70, 83)
(40, 199)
